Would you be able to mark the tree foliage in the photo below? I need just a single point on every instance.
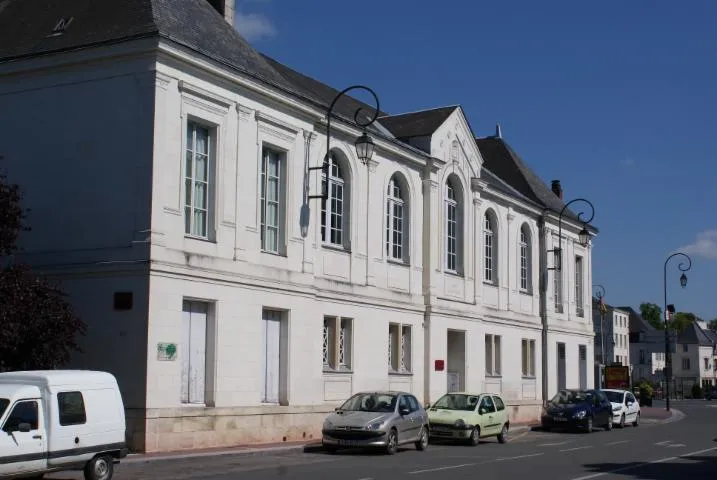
(681, 320)
(712, 324)
(39, 328)
(652, 314)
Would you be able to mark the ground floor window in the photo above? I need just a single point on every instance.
(399, 348)
(337, 343)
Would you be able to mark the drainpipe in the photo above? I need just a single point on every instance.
(543, 287)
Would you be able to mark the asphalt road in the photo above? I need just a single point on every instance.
(687, 449)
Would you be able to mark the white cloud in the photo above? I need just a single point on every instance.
(253, 26)
(704, 246)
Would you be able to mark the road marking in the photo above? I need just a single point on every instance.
(662, 444)
(438, 469)
(676, 445)
(462, 465)
(618, 442)
(553, 444)
(576, 448)
(367, 478)
(518, 457)
(639, 465)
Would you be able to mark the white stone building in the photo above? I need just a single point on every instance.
(647, 349)
(165, 163)
(616, 339)
(693, 360)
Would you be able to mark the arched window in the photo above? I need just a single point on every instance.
(335, 219)
(397, 220)
(490, 252)
(454, 225)
(526, 259)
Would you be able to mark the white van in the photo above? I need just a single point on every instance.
(60, 420)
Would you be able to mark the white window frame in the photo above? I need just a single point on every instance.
(453, 211)
(264, 203)
(558, 286)
(400, 348)
(579, 287)
(493, 355)
(528, 357)
(190, 181)
(209, 361)
(526, 259)
(338, 220)
(337, 344)
(396, 226)
(490, 245)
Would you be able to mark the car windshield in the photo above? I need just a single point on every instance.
(457, 401)
(371, 402)
(4, 402)
(570, 397)
(614, 397)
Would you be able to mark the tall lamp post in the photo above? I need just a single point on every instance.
(601, 306)
(668, 357)
(584, 239)
(364, 150)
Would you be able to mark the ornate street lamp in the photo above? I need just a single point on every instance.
(583, 236)
(601, 306)
(668, 357)
(364, 149)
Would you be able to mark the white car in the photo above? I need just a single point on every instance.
(625, 407)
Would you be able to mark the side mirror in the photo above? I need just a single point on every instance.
(404, 411)
(24, 427)
(481, 411)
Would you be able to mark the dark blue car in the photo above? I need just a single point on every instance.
(583, 409)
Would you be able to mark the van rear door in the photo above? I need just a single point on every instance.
(23, 442)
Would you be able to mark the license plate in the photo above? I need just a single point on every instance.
(349, 443)
(560, 419)
(440, 429)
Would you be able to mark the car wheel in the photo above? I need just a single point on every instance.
(392, 443)
(589, 426)
(637, 421)
(99, 468)
(422, 443)
(622, 421)
(503, 435)
(475, 436)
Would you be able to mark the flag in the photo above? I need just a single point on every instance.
(603, 308)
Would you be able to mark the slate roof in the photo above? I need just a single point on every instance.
(637, 323)
(503, 161)
(712, 335)
(694, 335)
(417, 124)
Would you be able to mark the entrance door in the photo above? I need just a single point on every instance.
(583, 366)
(561, 366)
(193, 351)
(271, 341)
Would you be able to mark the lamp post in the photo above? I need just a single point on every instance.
(601, 298)
(364, 149)
(668, 357)
(584, 239)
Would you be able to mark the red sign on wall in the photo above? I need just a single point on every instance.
(439, 365)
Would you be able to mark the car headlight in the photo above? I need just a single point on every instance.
(460, 423)
(580, 414)
(374, 426)
(328, 425)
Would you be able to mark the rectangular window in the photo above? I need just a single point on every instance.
(528, 354)
(558, 291)
(399, 348)
(488, 254)
(25, 411)
(579, 294)
(685, 364)
(271, 355)
(492, 355)
(198, 180)
(272, 201)
(524, 261)
(71, 408)
(452, 235)
(707, 363)
(193, 351)
(642, 356)
(338, 342)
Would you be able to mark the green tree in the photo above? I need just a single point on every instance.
(652, 314)
(681, 320)
(39, 329)
(712, 324)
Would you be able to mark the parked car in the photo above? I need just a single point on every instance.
(625, 407)
(60, 420)
(377, 419)
(585, 409)
(469, 417)
(711, 393)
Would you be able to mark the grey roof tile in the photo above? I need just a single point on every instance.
(417, 124)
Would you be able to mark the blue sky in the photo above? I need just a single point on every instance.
(617, 99)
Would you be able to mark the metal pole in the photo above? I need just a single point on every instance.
(668, 356)
(601, 296)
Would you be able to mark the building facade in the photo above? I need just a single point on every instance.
(173, 206)
(612, 332)
(647, 349)
(693, 360)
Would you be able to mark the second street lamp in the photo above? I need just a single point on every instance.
(668, 357)
(583, 235)
(601, 306)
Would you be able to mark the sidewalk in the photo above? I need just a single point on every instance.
(660, 415)
(265, 449)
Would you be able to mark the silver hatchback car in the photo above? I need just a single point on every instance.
(377, 420)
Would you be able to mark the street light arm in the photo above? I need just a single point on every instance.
(580, 214)
(357, 113)
(601, 291)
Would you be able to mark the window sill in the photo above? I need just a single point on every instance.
(494, 375)
(490, 284)
(529, 377)
(336, 248)
(453, 273)
(275, 254)
(527, 293)
(331, 371)
(398, 263)
(394, 373)
(199, 239)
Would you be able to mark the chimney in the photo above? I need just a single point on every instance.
(557, 189)
(225, 9)
(498, 131)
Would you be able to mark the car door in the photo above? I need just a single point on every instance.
(23, 440)
(404, 422)
(500, 411)
(419, 417)
(487, 414)
(604, 408)
(632, 407)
